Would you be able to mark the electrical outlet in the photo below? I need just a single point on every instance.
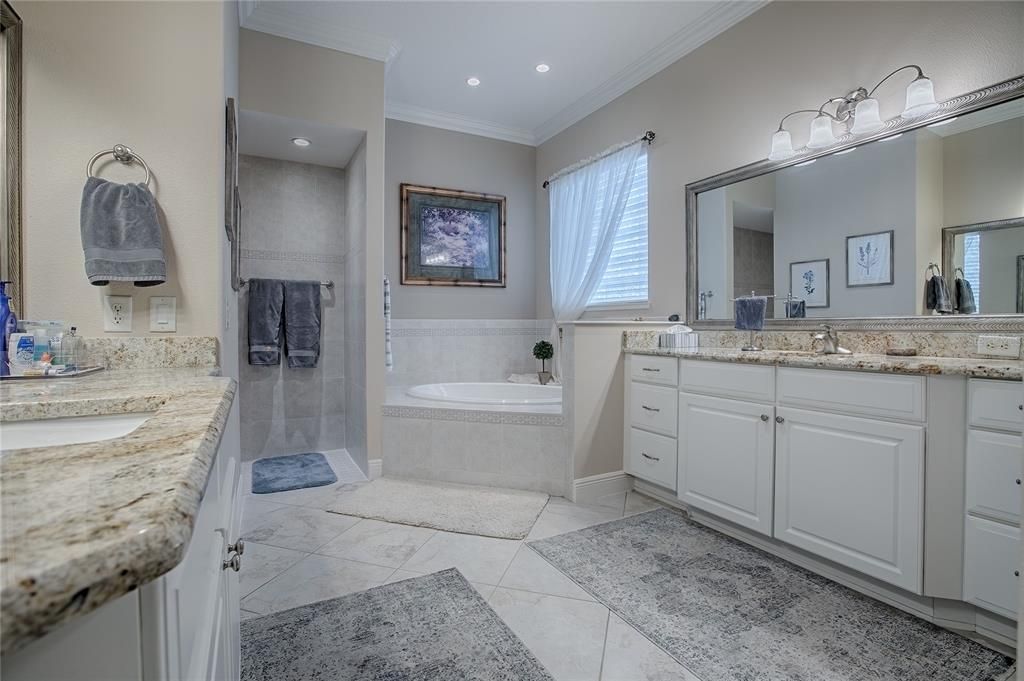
(117, 314)
(999, 346)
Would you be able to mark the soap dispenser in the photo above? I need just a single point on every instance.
(8, 325)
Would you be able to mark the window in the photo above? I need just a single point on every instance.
(624, 282)
(972, 264)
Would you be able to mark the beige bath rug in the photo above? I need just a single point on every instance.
(485, 511)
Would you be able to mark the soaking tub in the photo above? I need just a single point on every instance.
(489, 393)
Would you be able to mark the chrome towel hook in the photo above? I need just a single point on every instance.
(122, 153)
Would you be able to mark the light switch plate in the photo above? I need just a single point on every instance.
(117, 314)
(999, 346)
(163, 313)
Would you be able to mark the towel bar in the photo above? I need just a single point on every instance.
(329, 284)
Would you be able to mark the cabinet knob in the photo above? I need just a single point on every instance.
(1018, 481)
(233, 563)
(1016, 573)
(779, 419)
(764, 417)
(238, 547)
(1020, 407)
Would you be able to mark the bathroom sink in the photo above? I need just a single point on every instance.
(68, 431)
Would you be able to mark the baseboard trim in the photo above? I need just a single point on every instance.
(375, 468)
(595, 486)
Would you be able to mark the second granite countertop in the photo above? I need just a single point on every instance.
(86, 523)
(929, 366)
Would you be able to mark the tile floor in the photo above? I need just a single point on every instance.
(297, 553)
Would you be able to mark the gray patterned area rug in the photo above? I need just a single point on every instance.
(729, 611)
(431, 628)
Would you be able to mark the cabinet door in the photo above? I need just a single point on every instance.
(851, 490)
(725, 459)
(991, 566)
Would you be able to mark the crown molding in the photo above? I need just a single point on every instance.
(686, 40)
(411, 113)
(275, 19)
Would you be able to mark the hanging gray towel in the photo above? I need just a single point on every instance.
(796, 309)
(266, 306)
(750, 313)
(937, 295)
(121, 236)
(964, 295)
(302, 323)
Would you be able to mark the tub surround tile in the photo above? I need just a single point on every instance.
(68, 558)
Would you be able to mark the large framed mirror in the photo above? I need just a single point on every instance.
(852, 233)
(10, 151)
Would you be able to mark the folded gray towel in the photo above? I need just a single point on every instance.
(796, 309)
(750, 313)
(121, 235)
(937, 295)
(302, 323)
(964, 295)
(266, 308)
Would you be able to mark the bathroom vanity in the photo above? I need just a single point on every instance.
(896, 476)
(120, 555)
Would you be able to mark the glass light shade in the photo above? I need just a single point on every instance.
(865, 117)
(782, 146)
(920, 98)
(821, 133)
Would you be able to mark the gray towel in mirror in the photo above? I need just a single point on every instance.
(750, 312)
(937, 295)
(266, 308)
(964, 296)
(302, 323)
(796, 309)
(121, 236)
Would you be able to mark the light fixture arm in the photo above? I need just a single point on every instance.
(793, 113)
(840, 103)
(920, 75)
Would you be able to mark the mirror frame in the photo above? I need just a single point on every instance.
(982, 98)
(10, 24)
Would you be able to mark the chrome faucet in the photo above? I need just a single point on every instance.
(831, 342)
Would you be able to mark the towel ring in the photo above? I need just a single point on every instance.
(122, 153)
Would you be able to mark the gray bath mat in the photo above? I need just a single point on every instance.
(431, 628)
(295, 471)
(469, 509)
(726, 610)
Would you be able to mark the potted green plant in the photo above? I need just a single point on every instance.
(543, 351)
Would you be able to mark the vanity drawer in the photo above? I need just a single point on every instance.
(991, 564)
(652, 457)
(996, 404)
(854, 392)
(661, 370)
(723, 379)
(993, 475)
(654, 408)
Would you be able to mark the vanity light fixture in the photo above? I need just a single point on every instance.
(805, 163)
(542, 68)
(890, 139)
(945, 122)
(301, 142)
(859, 105)
(472, 81)
(845, 151)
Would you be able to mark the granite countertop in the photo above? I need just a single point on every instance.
(83, 524)
(1006, 369)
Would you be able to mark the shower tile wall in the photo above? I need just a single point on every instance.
(458, 350)
(293, 227)
(753, 258)
(354, 294)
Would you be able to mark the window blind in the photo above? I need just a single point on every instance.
(625, 279)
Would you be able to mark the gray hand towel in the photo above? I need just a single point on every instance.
(302, 323)
(796, 309)
(964, 295)
(750, 313)
(937, 295)
(266, 308)
(121, 235)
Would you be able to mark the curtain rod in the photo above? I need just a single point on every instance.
(646, 137)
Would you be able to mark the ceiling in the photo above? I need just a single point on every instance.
(596, 51)
(270, 136)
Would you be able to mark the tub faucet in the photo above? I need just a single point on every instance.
(831, 342)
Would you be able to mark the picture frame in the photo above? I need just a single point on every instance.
(869, 259)
(452, 237)
(809, 280)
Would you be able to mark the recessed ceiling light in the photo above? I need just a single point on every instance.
(472, 82)
(301, 142)
(543, 68)
(945, 122)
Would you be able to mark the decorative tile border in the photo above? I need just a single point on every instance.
(512, 418)
(292, 256)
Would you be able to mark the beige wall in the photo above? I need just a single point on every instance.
(983, 174)
(297, 80)
(146, 74)
(716, 108)
(441, 158)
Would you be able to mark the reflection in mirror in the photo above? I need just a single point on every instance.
(853, 234)
(987, 261)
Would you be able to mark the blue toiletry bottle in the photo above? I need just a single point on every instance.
(8, 325)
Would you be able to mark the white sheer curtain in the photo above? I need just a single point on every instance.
(586, 209)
